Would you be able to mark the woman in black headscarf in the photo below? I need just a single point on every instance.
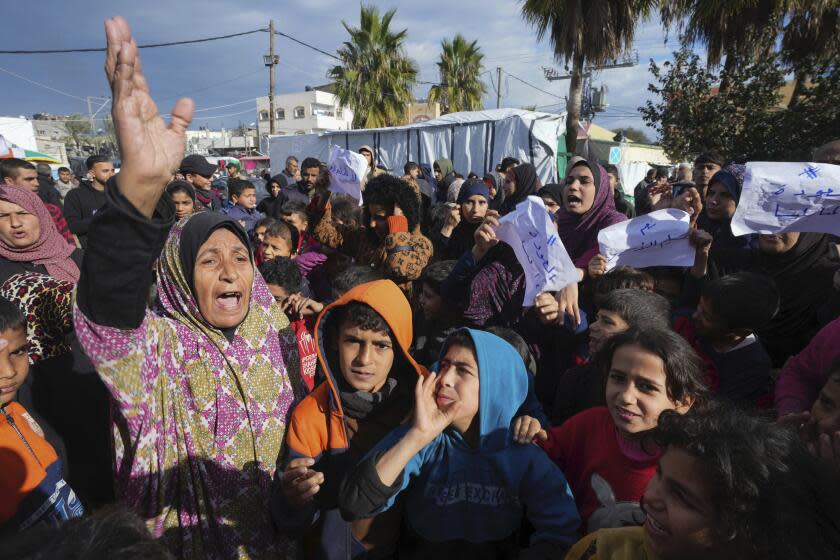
(803, 269)
(722, 199)
(271, 205)
(520, 183)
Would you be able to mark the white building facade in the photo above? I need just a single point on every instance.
(303, 113)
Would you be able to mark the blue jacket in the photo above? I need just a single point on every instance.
(249, 218)
(456, 492)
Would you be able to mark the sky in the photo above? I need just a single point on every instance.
(224, 77)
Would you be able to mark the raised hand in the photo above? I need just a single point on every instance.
(597, 266)
(547, 308)
(429, 420)
(485, 235)
(151, 150)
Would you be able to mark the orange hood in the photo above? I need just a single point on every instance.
(386, 299)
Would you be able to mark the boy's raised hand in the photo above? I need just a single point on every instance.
(300, 483)
(429, 419)
(151, 150)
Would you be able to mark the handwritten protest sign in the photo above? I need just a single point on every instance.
(347, 169)
(780, 197)
(656, 239)
(533, 237)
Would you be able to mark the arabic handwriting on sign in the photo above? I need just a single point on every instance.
(657, 243)
(646, 227)
(781, 212)
(810, 172)
(778, 192)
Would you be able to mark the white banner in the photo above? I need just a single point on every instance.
(656, 239)
(347, 170)
(531, 233)
(781, 197)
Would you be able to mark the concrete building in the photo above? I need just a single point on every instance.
(315, 110)
(222, 142)
(421, 111)
(51, 135)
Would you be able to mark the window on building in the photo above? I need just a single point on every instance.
(339, 113)
(300, 112)
(281, 114)
(263, 115)
(300, 132)
(321, 110)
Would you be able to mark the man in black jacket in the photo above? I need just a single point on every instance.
(81, 203)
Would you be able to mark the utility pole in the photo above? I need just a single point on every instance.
(272, 62)
(498, 87)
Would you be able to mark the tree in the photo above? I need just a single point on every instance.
(592, 32)
(745, 122)
(375, 77)
(743, 28)
(634, 134)
(78, 129)
(460, 68)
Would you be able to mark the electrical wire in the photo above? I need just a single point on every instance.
(149, 46)
(39, 84)
(533, 86)
(298, 41)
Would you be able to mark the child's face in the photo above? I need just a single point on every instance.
(295, 220)
(14, 363)
(248, 199)
(259, 233)
(430, 302)
(706, 323)
(279, 292)
(607, 323)
(184, 205)
(275, 246)
(458, 382)
(379, 219)
(826, 410)
(680, 514)
(365, 357)
(636, 390)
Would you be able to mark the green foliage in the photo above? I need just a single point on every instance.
(375, 77)
(460, 68)
(78, 129)
(745, 122)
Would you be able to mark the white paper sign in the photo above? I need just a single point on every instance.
(533, 237)
(779, 197)
(347, 170)
(656, 239)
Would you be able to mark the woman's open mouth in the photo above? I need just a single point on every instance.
(229, 300)
(573, 201)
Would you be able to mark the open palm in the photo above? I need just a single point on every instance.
(151, 150)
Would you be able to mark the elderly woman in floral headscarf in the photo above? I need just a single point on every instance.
(202, 383)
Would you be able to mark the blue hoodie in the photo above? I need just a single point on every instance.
(456, 492)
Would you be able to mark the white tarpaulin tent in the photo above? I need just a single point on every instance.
(474, 141)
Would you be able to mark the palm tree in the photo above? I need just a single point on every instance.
(461, 88)
(731, 28)
(375, 77)
(749, 29)
(592, 32)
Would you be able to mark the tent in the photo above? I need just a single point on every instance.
(473, 140)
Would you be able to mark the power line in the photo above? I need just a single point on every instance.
(39, 84)
(298, 41)
(149, 46)
(533, 86)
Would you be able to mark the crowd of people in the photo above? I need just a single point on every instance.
(188, 372)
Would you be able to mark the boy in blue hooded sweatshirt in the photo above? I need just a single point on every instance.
(466, 481)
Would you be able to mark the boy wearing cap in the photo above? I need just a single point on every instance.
(198, 172)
